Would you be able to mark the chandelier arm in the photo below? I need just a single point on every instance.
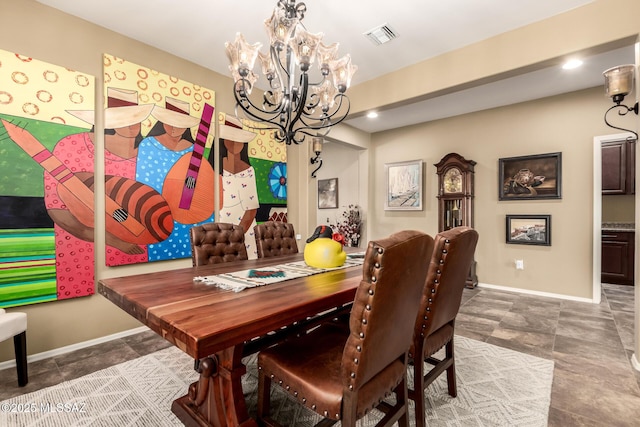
(273, 125)
(280, 66)
(344, 99)
(244, 99)
(325, 122)
(304, 80)
(245, 103)
(338, 109)
(623, 112)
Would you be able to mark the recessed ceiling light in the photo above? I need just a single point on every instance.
(571, 64)
(372, 114)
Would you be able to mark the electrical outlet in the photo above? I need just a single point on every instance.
(298, 236)
(519, 264)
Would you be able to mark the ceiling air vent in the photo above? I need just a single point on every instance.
(381, 34)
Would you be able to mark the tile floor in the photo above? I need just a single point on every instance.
(594, 383)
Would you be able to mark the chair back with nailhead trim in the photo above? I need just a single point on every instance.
(435, 324)
(386, 304)
(448, 271)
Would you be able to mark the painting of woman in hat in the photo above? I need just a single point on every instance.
(163, 159)
(75, 240)
(240, 195)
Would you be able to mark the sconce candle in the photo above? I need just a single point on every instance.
(619, 80)
(317, 145)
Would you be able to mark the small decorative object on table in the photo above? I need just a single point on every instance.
(324, 249)
(348, 224)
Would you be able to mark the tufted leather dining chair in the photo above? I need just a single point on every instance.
(275, 238)
(343, 373)
(439, 305)
(217, 242)
(15, 325)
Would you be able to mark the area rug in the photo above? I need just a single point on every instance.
(496, 387)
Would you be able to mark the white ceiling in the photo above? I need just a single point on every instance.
(196, 30)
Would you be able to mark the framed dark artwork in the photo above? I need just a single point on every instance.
(529, 229)
(328, 193)
(530, 177)
(404, 186)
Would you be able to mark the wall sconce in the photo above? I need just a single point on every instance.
(618, 83)
(316, 142)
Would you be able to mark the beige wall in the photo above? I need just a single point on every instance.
(342, 162)
(563, 124)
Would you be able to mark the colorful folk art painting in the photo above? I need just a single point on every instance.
(41, 193)
(254, 176)
(159, 170)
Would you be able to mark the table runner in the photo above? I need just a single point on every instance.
(251, 278)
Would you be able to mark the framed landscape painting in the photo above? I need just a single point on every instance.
(404, 186)
(530, 177)
(529, 229)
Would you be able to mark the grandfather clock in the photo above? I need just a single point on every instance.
(455, 198)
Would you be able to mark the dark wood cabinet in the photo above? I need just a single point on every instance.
(617, 257)
(618, 167)
(455, 198)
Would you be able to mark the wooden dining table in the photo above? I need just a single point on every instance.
(215, 326)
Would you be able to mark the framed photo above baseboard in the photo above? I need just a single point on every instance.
(529, 229)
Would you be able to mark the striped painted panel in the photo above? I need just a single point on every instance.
(27, 267)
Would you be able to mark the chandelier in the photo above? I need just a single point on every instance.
(293, 105)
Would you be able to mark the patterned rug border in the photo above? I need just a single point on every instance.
(496, 387)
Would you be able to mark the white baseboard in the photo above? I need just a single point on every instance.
(73, 347)
(538, 293)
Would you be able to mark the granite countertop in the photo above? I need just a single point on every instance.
(618, 226)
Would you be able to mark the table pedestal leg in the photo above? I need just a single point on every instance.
(216, 399)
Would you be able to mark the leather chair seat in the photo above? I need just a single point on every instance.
(322, 389)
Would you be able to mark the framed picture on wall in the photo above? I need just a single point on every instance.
(404, 186)
(529, 229)
(328, 193)
(530, 177)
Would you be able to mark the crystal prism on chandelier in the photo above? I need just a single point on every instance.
(294, 105)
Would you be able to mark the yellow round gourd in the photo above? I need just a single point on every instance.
(324, 253)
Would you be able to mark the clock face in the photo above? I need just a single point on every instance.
(453, 181)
